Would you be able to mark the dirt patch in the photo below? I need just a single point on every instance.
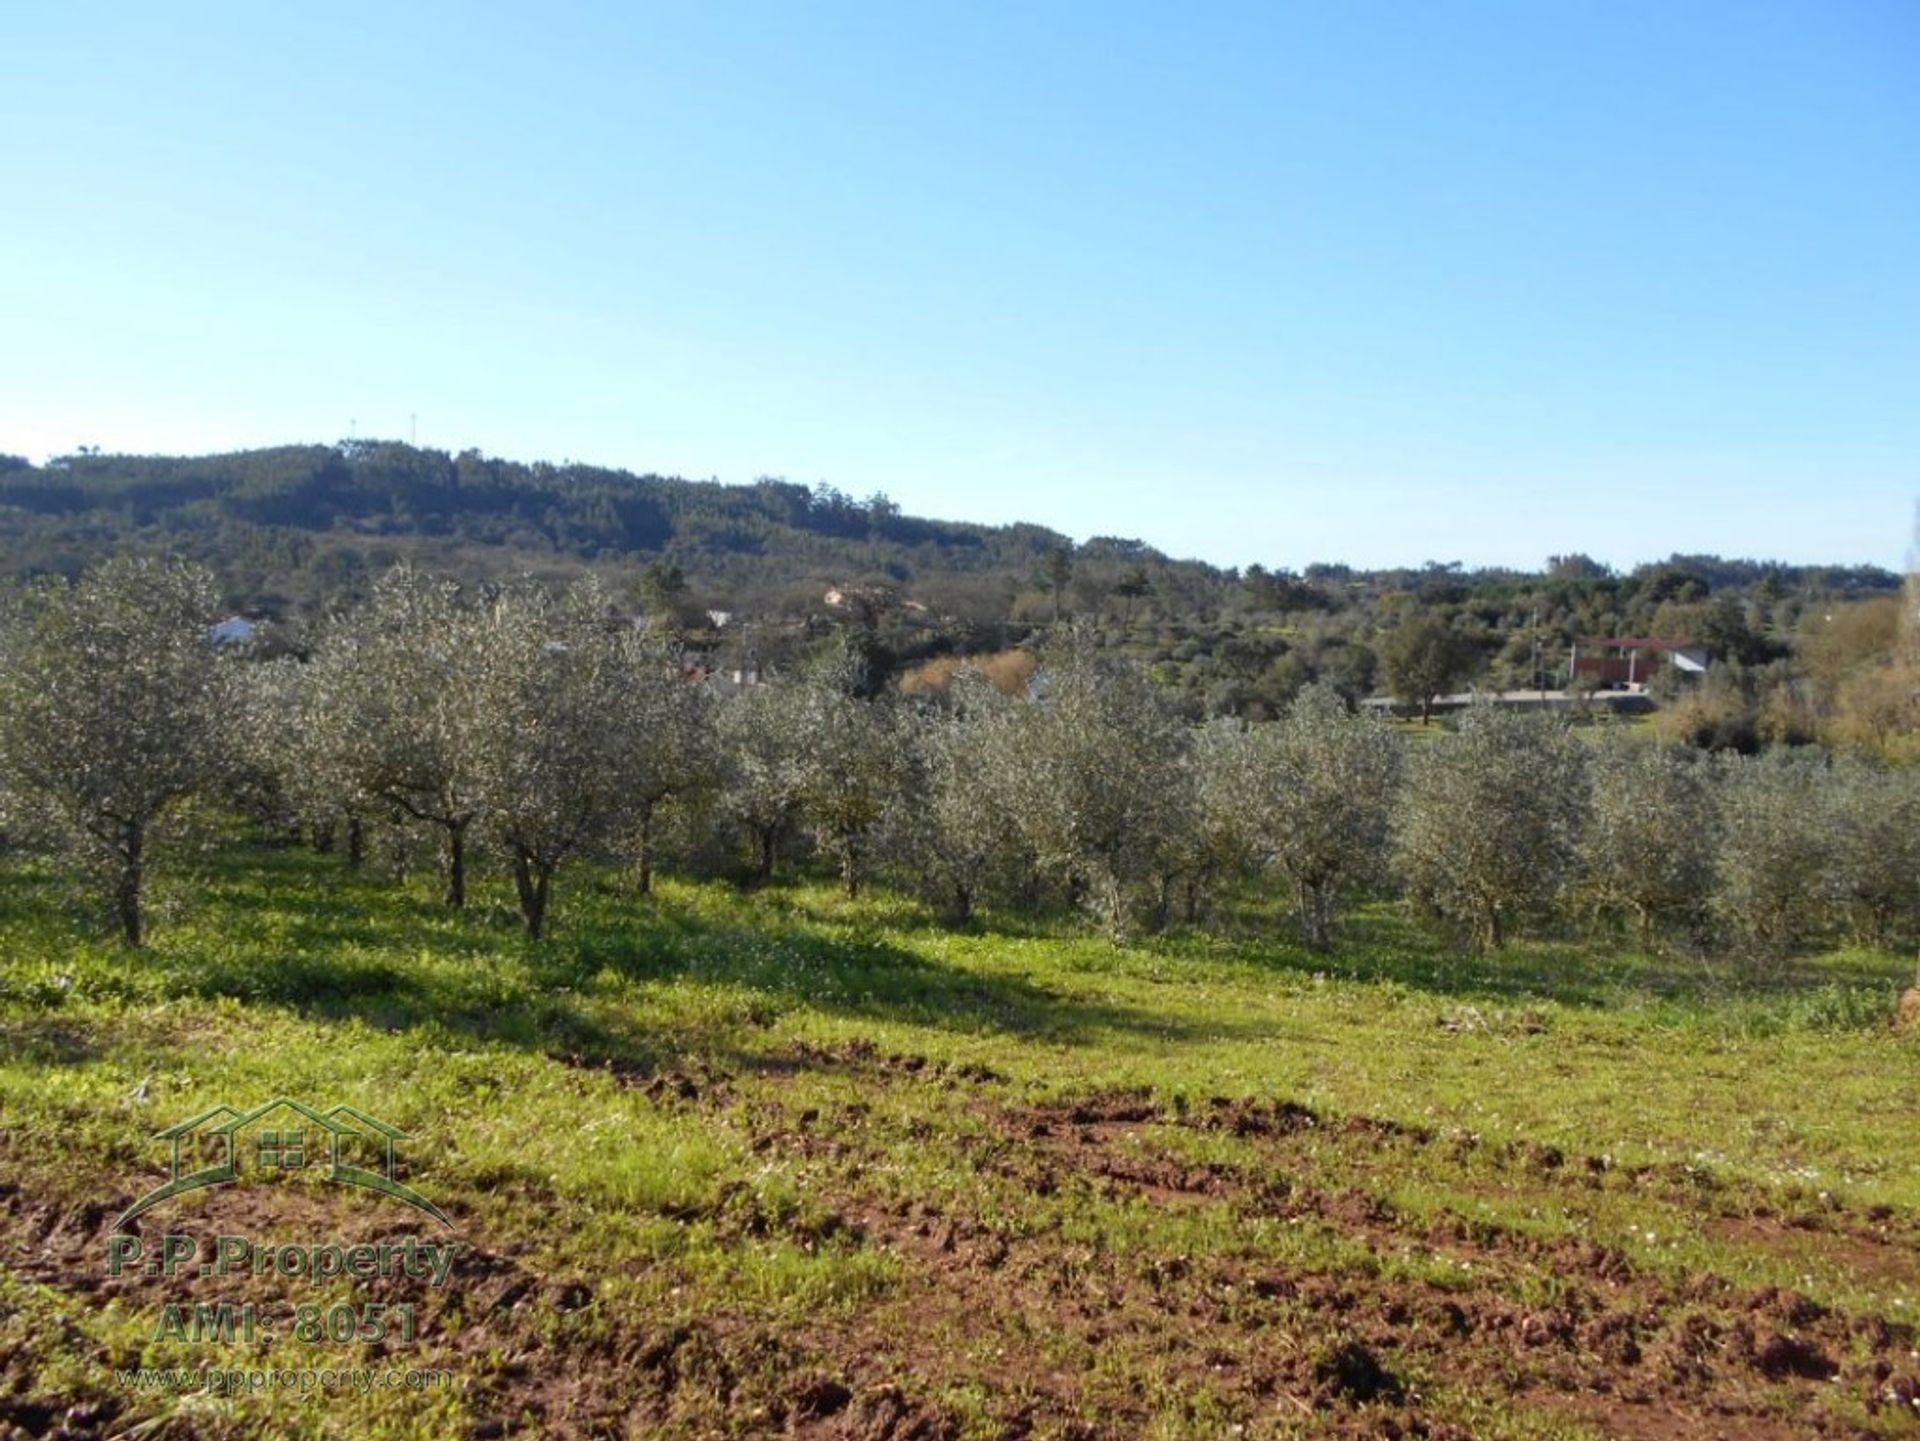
(538, 1352)
(1622, 1347)
(690, 1083)
(1646, 1420)
(868, 1059)
(1889, 1260)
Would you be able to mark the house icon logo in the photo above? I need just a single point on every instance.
(282, 1136)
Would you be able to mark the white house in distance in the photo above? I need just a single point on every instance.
(234, 630)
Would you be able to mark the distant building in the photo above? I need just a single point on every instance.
(234, 630)
(1633, 661)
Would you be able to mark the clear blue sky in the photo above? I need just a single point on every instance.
(1274, 282)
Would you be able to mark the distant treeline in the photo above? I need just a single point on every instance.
(76, 505)
(288, 499)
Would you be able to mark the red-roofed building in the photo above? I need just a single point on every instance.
(1633, 660)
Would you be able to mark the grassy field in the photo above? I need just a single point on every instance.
(784, 1164)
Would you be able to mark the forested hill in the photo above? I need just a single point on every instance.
(328, 510)
(294, 523)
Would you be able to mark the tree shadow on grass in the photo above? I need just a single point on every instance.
(1381, 944)
(296, 933)
(49, 1041)
(695, 970)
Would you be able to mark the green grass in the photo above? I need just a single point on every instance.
(773, 1206)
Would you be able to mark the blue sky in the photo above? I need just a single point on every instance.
(1279, 282)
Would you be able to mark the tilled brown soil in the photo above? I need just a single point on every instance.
(1017, 1315)
(1630, 1350)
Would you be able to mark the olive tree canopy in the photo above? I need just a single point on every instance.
(953, 820)
(555, 763)
(1646, 853)
(1094, 762)
(1876, 876)
(111, 697)
(1489, 820)
(1310, 797)
(1778, 840)
(403, 698)
(852, 760)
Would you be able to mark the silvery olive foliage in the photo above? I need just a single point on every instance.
(1647, 849)
(551, 730)
(806, 750)
(1487, 828)
(1778, 846)
(1094, 761)
(1875, 877)
(1230, 793)
(405, 696)
(278, 767)
(763, 744)
(1193, 854)
(669, 745)
(111, 701)
(1308, 799)
(952, 823)
(261, 741)
(536, 722)
(557, 778)
(853, 761)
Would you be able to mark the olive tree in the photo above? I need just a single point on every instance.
(1197, 841)
(1875, 878)
(1647, 851)
(1487, 827)
(1778, 844)
(260, 736)
(852, 760)
(1311, 797)
(404, 698)
(280, 764)
(670, 750)
(952, 821)
(1094, 762)
(557, 780)
(1227, 792)
(763, 755)
(110, 701)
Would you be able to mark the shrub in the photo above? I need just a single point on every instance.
(1778, 845)
(111, 698)
(1646, 852)
(1487, 828)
